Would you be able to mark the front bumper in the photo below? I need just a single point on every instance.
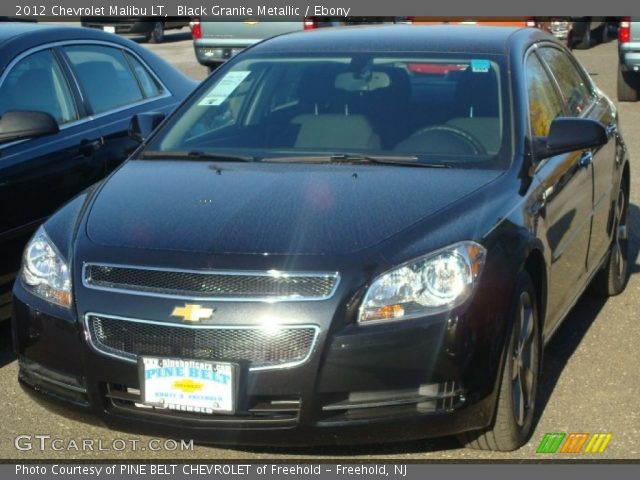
(427, 377)
(214, 55)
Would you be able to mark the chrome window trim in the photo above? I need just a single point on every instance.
(165, 91)
(312, 347)
(261, 273)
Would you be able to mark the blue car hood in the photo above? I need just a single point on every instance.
(269, 208)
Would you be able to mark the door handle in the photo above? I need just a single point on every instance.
(586, 159)
(88, 147)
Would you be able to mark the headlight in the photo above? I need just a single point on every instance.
(430, 284)
(44, 272)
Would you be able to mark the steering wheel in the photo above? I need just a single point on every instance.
(455, 133)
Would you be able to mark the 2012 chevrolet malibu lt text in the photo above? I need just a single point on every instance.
(342, 235)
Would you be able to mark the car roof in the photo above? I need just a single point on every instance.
(405, 38)
(16, 37)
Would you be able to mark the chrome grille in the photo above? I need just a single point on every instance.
(272, 285)
(287, 346)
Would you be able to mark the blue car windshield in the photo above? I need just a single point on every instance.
(447, 109)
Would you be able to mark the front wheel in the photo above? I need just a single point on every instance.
(517, 396)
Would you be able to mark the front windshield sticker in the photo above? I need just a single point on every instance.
(480, 66)
(224, 88)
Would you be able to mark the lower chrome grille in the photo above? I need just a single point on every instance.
(425, 399)
(128, 338)
(255, 410)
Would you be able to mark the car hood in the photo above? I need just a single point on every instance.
(265, 208)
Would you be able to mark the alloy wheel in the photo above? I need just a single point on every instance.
(621, 236)
(524, 361)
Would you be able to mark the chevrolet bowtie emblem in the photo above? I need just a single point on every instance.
(192, 313)
(187, 385)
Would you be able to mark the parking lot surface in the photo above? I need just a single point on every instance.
(590, 379)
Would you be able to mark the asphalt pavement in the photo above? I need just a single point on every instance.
(590, 380)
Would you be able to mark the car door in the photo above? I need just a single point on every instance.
(38, 175)
(116, 85)
(583, 101)
(567, 185)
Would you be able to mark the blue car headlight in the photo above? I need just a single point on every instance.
(44, 272)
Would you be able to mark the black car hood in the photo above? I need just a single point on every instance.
(269, 208)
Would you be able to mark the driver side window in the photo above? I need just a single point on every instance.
(544, 103)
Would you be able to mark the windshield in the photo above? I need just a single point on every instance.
(431, 109)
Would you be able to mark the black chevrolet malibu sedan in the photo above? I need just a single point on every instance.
(341, 236)
(66, 99)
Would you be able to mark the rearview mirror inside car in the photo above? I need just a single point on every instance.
(143, 124)
(20, 125)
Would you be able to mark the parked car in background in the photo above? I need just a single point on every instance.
(66, 98)
(311, 23)
(559, 27)
(578, 32)
(629, 60)
(152, 28)
(349, 235)
(215, 42)
(18, 19)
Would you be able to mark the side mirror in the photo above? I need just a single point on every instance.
(568, 134)
(143, 124)
(20, 125)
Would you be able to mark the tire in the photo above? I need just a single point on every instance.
(157, 34)
(612, 279)
(602, 33)
(585, 40)
(513, 421)
(628, 85)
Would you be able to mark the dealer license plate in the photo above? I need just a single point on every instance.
(187, 385)
(109, 28)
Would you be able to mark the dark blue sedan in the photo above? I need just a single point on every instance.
(66, 98)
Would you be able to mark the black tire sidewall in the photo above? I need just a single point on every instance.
(617, 283)
(505, 409)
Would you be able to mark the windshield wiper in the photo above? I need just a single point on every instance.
(352, 158)
(408, 160)
(195, 155)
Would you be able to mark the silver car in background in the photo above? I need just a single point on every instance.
(216, 41)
